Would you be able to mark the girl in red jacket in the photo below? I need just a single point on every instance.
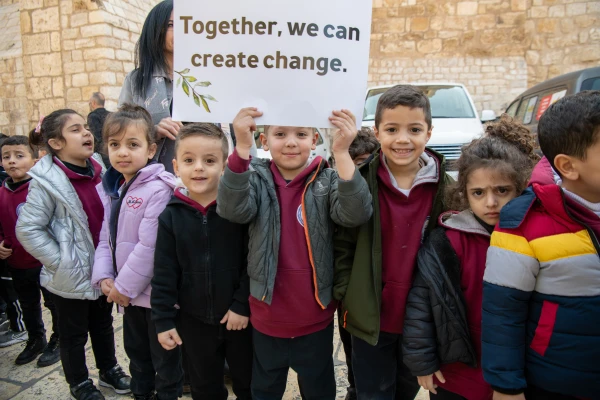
(442, 329)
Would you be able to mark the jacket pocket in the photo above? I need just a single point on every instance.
(545, 327)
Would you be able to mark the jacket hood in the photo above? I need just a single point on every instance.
(112, 180)
(463, 221)
(544, 174)
(181, 197)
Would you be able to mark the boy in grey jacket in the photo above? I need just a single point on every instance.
(292, 206)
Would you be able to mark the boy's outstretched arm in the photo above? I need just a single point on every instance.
(236, 198)
(167, 275)
(509, 280)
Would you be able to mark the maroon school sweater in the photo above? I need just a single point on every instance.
(294, 310)
(403, 221)
(85, 187)
(471, 249)
(11, 202)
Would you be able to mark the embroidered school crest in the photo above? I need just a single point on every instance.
(134, 202)
(321, 186)
(299, 215)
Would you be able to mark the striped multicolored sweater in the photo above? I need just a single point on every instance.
(541, 297)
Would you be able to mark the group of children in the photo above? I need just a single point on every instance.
(488, 287)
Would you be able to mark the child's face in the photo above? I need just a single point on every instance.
(129, 152)
(581, 175)
(77, 145)
(358, 160)
(200, 164)
(17, 161)
(487, 192)
(403, 134)
(290, 148)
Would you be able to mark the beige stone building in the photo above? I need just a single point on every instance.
(55, 53)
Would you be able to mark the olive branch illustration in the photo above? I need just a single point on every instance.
(188, 85)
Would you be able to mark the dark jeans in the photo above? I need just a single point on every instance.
(27, 286)
(151, 366)
(11, 298)
(379, 372)
(443, 394)
(77, 318)
(311, 356)
(207, 348)
(346, 339)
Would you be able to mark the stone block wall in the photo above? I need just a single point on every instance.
(497, 48)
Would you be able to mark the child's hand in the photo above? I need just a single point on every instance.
(169, 339)
(501, 396)
(5, 252)
(426, 381)
(118, 298)
(235, 321)
(106, 285)
(244, 127)
(345, 121)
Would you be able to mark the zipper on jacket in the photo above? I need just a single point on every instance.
(209, 308)
(306, 234)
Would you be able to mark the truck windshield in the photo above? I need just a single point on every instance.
(447, 101)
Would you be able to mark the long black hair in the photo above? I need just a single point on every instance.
(149, 50)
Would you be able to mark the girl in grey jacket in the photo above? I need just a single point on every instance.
(60, 226)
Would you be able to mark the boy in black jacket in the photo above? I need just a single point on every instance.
(200, 287)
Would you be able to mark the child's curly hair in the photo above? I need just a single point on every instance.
(507, 147)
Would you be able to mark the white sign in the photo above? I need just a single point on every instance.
(296, 61)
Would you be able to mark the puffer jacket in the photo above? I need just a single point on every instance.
(250, 198)
(53, 228)
(436, 330)
(136, 227)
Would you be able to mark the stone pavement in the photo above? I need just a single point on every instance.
(28, 382)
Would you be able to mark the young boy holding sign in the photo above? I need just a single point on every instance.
(292, 207)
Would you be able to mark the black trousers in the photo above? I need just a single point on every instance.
(77, 318)
(151, 366)
(27, 286)
(346, 339)
(311, 356)
(11, 299)
(443, 394)
(207, 347)
(379, 372)
(535, 393)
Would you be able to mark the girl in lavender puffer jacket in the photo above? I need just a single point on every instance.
(134, 192)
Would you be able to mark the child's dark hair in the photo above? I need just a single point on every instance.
(19, 140)
(403, 95)
(364, 143)
(206, 130)
(117, 123)
(506, 147)
(51, 128)
(570, 126)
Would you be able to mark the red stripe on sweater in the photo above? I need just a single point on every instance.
(545, 327)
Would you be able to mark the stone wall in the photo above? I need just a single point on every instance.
(70, 49)
(497, 48)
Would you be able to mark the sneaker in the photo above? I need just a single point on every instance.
(147, 396)
(86, 391)
(34, 348)
(51, 354)
(4, 322)
(11, 337)
(116, 379)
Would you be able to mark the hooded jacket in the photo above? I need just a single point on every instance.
(200, 265)
(442, 327)
(541, 295)
(359, 265)
(251, 198)
(141, 202)
(53, 228)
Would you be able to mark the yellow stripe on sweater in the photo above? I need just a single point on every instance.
(556, 247)
(510, 242)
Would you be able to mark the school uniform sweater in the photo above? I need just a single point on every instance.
(12, 198)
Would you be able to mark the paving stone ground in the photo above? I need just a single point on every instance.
(28, 382)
